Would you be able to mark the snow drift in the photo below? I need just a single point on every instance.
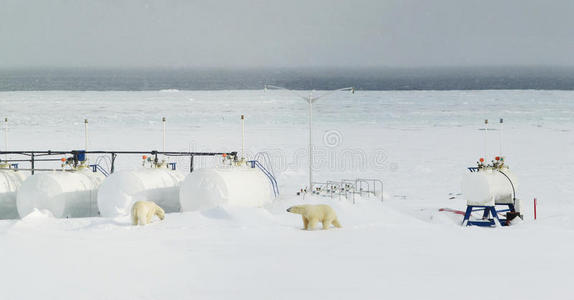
(236, 186)
(120, 190)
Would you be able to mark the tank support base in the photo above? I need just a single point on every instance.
(487, 212)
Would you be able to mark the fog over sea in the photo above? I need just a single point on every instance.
(466, 78)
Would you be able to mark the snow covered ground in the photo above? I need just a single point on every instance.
(419, 143)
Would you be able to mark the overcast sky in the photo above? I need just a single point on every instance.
(289, 33)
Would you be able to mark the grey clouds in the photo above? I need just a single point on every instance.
(240, 34)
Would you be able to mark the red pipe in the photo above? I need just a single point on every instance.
(534, 208)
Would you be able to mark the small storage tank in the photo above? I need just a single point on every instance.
(64, 194)
(237, 186)
(10, 181)
(489, 186)
(120, 190)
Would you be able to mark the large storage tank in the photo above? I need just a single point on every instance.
(121, 189)
(10, 181)
(64, 194)
(489, 186)
(236, 186)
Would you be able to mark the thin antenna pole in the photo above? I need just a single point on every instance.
(311, 99)
(242, 137)
(501, 135)
(6, 138)
(485, 142)
(86, 134)
(163, 129)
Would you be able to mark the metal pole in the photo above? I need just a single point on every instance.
(112, 168)
(311, 99)
(242, 137)
(163, 124)
(190, 163)
(86, 134)
(485, 132)
(501, 135)
(6, 137)
(32, 163)
(310, 144)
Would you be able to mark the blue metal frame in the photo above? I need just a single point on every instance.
(487, 211)
(96, 168)
(256, 163)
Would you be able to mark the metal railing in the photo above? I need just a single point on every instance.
(348, 188)
(78, 156)
(272, 180)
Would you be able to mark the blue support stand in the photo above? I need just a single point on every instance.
(487, 211)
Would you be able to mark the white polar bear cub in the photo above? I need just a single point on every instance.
(143, 212)
(316, 213)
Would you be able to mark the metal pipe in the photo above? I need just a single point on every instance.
(47, 170)
(50, 152)
(114, 154)
(485, 142)
(163, 125)
(27, 160)
(112, 168)
(501, 135)
(86, 134)
(32, 163)
(310, 143)
(242, 137)
(5, 137)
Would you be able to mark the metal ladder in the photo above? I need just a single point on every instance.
(272, 180)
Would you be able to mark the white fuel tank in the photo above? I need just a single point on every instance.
(64, 194)
(236, 186)
(121, 189)
(489, 186)
(10, 181)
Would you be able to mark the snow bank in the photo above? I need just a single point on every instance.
(238, 186)
(64, 194)
(10, 181)
(120, 190)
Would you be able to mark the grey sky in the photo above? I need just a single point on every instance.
(228, 33)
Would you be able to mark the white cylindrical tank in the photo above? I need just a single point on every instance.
(10, 181)
(236, 186)
(121, 189)
(489, 187)
(64, 194)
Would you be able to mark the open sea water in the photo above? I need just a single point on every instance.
(468, 78)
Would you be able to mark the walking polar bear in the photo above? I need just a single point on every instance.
(316, 213)
(143, 212)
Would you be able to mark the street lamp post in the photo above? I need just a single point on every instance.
(310, 99)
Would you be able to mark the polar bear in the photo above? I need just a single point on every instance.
(316, 213)
(143, 211)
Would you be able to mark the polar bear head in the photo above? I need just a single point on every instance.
(160, 213)
(297, 209)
